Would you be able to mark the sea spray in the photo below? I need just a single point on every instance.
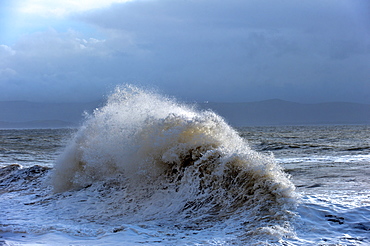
(154, 159)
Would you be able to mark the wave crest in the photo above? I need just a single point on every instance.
(174, 161)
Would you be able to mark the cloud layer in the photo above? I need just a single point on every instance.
(305, 51)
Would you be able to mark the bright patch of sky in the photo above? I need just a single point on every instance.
(61, 8)
(21, 18)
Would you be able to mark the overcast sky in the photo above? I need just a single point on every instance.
(196, 50)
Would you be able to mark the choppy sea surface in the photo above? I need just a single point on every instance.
(146, 170)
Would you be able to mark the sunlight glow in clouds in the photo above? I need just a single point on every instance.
(63, 7)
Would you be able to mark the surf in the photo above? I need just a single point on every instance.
(155, 159)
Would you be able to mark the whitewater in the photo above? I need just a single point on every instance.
(145, 169)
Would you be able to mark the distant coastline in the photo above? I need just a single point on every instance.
(280, 112)
(23, 114)
(37, 124)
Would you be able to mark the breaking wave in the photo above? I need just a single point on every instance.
(150, 158)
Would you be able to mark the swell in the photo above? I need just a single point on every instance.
(14, 178)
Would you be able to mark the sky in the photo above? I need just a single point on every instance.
(307, 51)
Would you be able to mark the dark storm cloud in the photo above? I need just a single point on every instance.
(248, 50)
(308, 51)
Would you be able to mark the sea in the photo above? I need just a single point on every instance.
(145, 169)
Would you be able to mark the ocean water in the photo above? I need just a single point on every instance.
(147, 170)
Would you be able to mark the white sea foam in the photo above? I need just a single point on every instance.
(319, 159)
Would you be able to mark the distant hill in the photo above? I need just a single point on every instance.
(22, 114)
(279, 112)
(46, 124)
